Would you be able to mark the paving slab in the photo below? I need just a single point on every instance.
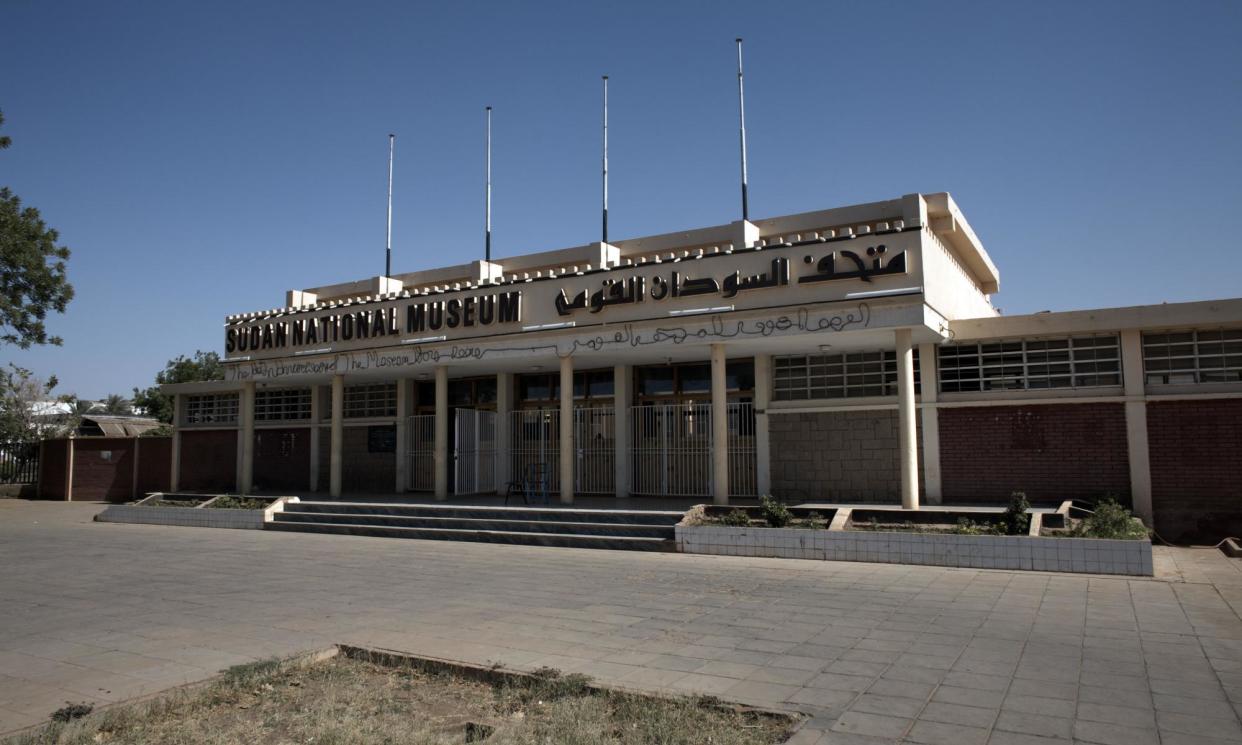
(102, 612)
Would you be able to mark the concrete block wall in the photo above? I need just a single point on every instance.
(208, 461)
(1195, 448)
(848, 456)
(361, 471)
(1050, 451)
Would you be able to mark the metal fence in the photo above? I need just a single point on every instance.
(421, 439)
(19, 462)
(535, 438)
(595, 451)
(474, 453)
(671, 450)
(743, 463)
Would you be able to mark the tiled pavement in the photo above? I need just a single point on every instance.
(875, 653)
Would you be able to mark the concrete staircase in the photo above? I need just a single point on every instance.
(633, 530)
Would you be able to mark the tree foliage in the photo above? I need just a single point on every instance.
(203, 366)
(32, 271)
(25, 413)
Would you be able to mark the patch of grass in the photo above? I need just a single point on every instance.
(239, 503)
(352, 702)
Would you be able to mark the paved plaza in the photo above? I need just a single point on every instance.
(874, 653)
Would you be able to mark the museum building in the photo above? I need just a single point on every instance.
(849, 355)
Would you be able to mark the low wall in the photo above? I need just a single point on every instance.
(188, 516)
(1089, 555)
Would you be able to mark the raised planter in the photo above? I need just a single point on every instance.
(1088, 555)
(195, 517)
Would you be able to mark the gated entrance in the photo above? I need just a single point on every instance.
(535, 438)
(474, 452)
(421, 466)
(671, 449)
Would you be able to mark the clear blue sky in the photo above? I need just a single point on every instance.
(202, 158)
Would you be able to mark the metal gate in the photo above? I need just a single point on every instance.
(671, 450)
(421, 448)
(474, 452)
(535, 438)
(595, 451)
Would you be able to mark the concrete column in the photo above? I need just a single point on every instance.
(763, 448)
(567, 430)
(174, 477)
(246, 482)
(622, 384)
(504, 406)
(315, 434)
(1136, 423)
(907, 439)
(442, 428)
(404, 403)
(133, 478)
(337, 444)
(720, 427)
(69, 469)
(929, 375)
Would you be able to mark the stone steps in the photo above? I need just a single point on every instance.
(634, 530)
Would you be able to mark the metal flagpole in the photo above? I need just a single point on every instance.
(388, 241)
(487, 238)
(605, 238)
(741, 109)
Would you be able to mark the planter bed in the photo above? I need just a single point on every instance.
(1029, 552)
(197, 512)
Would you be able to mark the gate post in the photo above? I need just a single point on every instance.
(441, 449)
(567, 430)
(720, 427)
(621, 427)
(504, 404)
(400, 447)
(337, 443)
(763, 449)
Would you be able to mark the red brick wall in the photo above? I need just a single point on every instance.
(103, 469)
(154, 464)
(1050, 451)
(362, 472)
(1196, 469)
(208, 461)
(52, 469)
(282, 459)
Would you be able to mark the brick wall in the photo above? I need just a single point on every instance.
(103, 469)
(843, 456)
(208, 461)
(1050, 451)
(154, 464)
(282, 459)
(361, 471)
(1196, 468)
(53, 467)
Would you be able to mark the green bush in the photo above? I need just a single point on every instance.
(737, 518)
(1110, 520)
(816, 521)
(777, 514)
(1016, 520)
(966, 526)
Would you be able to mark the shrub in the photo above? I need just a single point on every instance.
(737, 518)
(777, 514)
(966, 526)
(1016, 520)
(1110, 520)
(816, 521)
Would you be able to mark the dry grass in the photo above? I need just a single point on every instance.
(351, 702)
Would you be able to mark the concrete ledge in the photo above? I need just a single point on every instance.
(1088, 555)
(187, 516)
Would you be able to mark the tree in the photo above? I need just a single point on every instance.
(26, 412)
(116, 405)
(32, 271)
(203, 366)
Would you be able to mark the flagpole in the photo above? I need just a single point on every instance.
(741, 109)
(605, 232)
(487, 240)
(388, 241)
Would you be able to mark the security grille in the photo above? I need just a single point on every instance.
(595, 452)
(1186, 357)
(370, 401)
(671, 452)
(535, 445)
(474, 452)
(743, 461)
(421, 466)
(211, 409)
(844, 375)
(1030, 364)
(282, 405)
